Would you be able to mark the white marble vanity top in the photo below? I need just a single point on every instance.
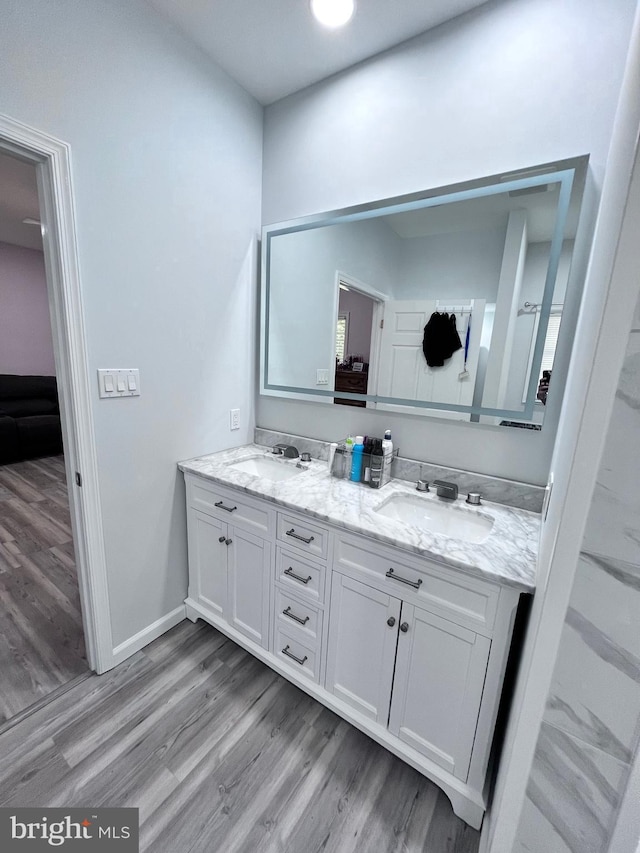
(508, 556)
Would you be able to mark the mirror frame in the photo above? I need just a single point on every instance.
(570, 174)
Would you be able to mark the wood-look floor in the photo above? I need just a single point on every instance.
(219, 753)
(41, 636)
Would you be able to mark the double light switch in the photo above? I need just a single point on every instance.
(119, 383)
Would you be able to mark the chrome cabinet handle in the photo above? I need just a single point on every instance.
(220, 505)
(404, 627)
(295, 535)
(295, 618)
(291, 655)
(222, 539)
(415, 584)
(391, 621)
(296, 577)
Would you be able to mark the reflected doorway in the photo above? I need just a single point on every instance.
(357, 330)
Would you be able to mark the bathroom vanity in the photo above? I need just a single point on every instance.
(402, 631)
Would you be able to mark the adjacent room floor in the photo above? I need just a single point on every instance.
(219, 752)
(41, 635)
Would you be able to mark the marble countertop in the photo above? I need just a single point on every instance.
(508, 556)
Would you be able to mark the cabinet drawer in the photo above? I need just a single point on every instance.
(298, 617)
(306, 578)
(306, 538)
(439, 589)
(301, 657)
(232, 507)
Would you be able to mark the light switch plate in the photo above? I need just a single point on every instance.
(119, 382)
(322, 376)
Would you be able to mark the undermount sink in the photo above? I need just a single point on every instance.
(431, 515)
(271, 469)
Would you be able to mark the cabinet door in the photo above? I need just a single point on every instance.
(362, 646)
(440, 670)
(249, 580)
(208, 562)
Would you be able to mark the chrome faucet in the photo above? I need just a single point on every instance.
(286, 450)
(445, 489)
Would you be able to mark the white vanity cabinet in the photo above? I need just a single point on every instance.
(230, 558)
(410, 651)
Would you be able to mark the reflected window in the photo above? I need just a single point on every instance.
(342, 335)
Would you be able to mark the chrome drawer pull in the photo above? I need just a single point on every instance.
(415, 584)
(293, 616)
(296, 577)
(289, 654)
(295, 535)
(220, 505)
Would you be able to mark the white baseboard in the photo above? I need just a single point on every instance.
(148, 635)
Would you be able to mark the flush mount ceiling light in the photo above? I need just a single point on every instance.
(333, 13)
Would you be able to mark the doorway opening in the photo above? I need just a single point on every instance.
(40, 611)
(50, 545)
(359, 312)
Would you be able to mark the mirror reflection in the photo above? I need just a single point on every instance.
(447, 303)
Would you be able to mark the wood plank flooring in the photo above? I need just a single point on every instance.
(41, 635)
(219, 753)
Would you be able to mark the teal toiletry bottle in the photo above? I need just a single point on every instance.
(348, 457)
(356, 459)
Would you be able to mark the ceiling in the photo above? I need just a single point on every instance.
(276, 47)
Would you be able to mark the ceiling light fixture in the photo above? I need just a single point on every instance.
(333, 13)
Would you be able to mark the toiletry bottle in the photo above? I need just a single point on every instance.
(366, 460)
(332, 452)
(356, 459)
(387, 444)
(348, 454)
(375, 480)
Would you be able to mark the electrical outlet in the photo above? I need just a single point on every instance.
(234, 419)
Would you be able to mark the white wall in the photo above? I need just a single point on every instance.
(512, 84)
(166, 158)
(458, 265)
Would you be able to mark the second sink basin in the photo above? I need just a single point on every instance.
(436, 517)
(264, 466)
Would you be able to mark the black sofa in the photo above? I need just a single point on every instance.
(29, 418)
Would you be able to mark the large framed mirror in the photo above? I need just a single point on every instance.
(447, 302)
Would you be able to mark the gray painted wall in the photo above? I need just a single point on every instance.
(497, 89)
(166, 159)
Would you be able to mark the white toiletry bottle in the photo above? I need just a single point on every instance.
(387, 446)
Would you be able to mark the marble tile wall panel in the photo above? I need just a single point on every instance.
(572, 796)
(495, 489)
(599, 658)
(591, 723)
(613, 527)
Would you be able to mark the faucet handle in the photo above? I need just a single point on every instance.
(422, 486)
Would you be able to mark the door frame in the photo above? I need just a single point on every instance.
(52, 159)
